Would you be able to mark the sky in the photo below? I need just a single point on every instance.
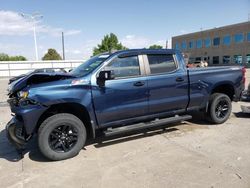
(137, 23)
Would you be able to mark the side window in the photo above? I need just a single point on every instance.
(125, 67)
(161, 63)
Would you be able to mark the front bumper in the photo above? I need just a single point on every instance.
(26, 114)
(15, 133)
(22, 126)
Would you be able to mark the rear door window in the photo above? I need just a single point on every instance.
(161, 63)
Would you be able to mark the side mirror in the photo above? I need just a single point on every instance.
(105, 75)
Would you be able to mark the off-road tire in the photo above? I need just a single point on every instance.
(219, 109)
(51, 124)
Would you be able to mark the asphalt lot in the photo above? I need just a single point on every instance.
(188, 154)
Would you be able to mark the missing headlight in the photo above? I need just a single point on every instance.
(25, 102)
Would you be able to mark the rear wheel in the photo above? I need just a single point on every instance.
(61, 136)
(220, 107)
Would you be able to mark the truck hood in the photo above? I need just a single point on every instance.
(35, 78)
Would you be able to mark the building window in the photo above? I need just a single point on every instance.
(191, 44)
(248, 37)
(227, 40)
(216, 59)
(184, 45)
(191, 59)
(248, 58)
(216, 41)
(207, 42)
(199, 43)
(198, 59)
(238, 38)
(177, 46)
(226, 59)
(238, 59)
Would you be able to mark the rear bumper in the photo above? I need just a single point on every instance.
(15, 134)
(237, 98)
(238, 93)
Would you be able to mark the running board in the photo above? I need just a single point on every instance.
(140, 126)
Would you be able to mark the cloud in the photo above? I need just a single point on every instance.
(13, 23)
(130, 41)
(72, 32)
(15, 49)
(81, 52)
(133, 41)
(74, 52)
(183, 31)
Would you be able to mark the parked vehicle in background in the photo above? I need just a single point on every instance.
(197, 64)
(245, 109)
(115, 93)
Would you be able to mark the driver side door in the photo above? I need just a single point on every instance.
(126, 96)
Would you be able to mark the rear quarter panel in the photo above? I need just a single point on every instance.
(204, 80)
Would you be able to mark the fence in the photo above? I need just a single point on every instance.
(15, 68)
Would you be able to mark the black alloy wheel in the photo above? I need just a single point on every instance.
(63, 138)
(221, 109)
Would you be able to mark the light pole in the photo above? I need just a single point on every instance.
(33, 18)
(63, 46)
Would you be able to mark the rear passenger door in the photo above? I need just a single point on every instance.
(167, 84)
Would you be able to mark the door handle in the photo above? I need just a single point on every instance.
(138, 84)
(179, 79)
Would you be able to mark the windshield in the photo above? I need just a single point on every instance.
(88, 66)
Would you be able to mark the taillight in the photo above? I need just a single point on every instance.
(244, 74)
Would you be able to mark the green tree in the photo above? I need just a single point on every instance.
(155, 46)
(6, 57)
(109, 42)
(17, 58)
(52, 55)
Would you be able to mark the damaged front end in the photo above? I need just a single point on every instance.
(26, 113)
(16, 133)
(26, 110)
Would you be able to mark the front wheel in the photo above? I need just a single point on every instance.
(61, 136)
(220, 107)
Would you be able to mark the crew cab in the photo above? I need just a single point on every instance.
(113, 93)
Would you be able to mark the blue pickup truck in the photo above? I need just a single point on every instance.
(114, 93)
